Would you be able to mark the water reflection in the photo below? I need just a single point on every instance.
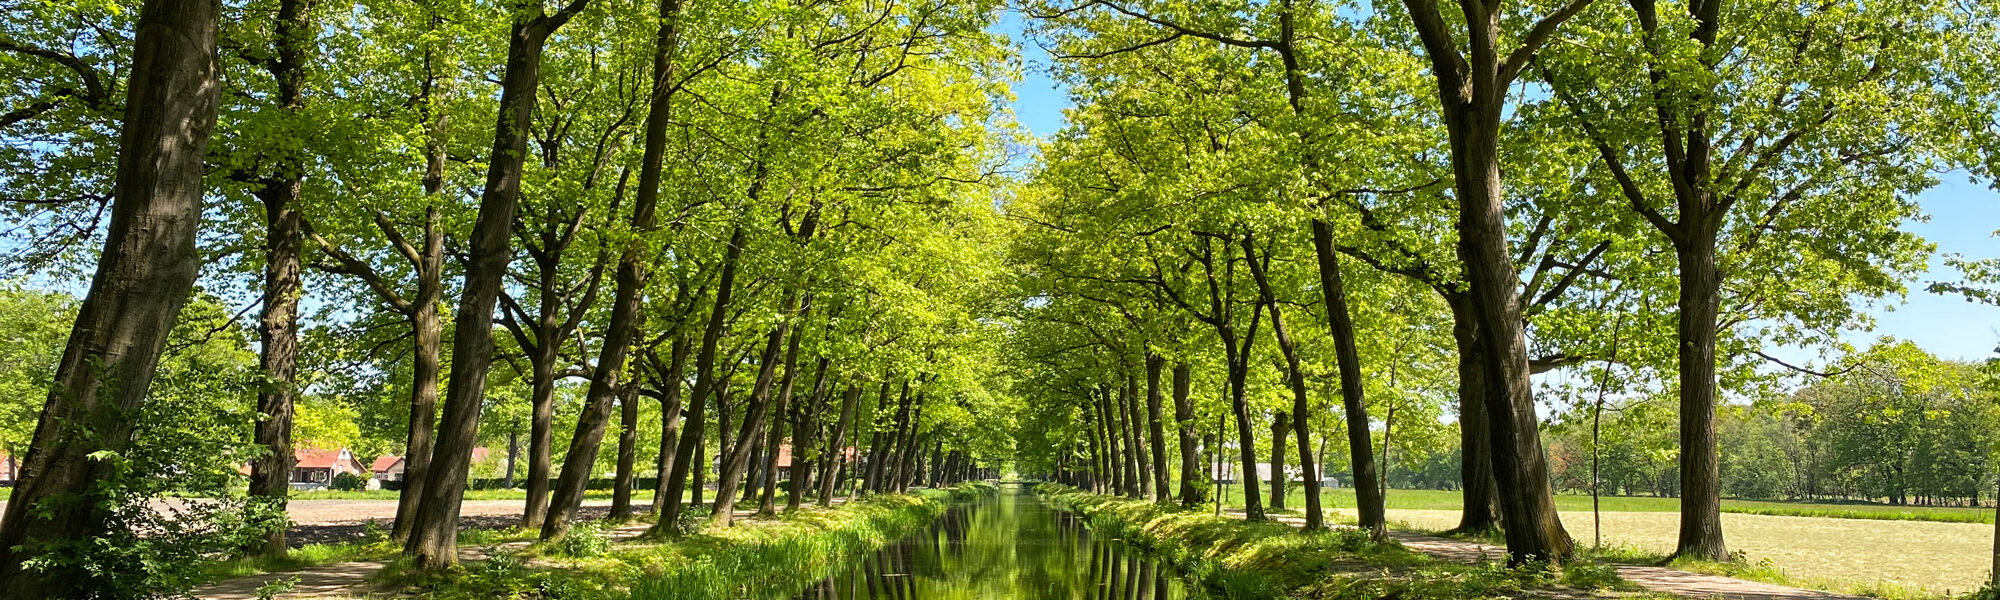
(1013, 546)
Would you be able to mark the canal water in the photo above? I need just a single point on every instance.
(1010, 546)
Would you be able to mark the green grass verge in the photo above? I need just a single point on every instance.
(1233, 558)
(1450, 500)
(758, 558)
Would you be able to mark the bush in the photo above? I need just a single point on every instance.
(584, 540)
(690, 521)
(349, 482)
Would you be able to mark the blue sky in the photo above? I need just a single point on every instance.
(1962, 218)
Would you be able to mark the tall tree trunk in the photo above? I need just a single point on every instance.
(729, 476)
(284, 240)
(426, 364)
(433, 540)
(907, 452)
(805, 426)
(1113, 454)
(837, 443)
(1161, 488)
(1301, 410)
(1479, 514)
(143, 277)
(705, 383)
(766, 504)
(881, 473)
(628, 447)
(1281, 425)
(1093, 440)
(670, 415)
(542, 398)
(1194, 482)
(1128, 426)
(1340, 323)
(627, 316)
(1701, 476)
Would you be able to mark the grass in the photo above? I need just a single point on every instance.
(1450, 500)
(1237, 559)
(758, 558)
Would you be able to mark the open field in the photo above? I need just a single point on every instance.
(1842, 554)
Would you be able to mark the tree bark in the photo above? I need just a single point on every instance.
(1472, 93)
(284, 240)
(837, 444)
(729, 477)
(1161, 488)
(1700, 468)
(143, 278)
(670, 416)
(1281, 424)
(767, 501)
(1340, 323)
(1128, 426)
(806, 423)
(1479, 514)
(433, 540)
(626, 305)
(705, 380)
(628, 447)
(1301, 409)
(1194, 483)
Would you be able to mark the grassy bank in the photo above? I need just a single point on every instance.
(1237, 559)
(758, 558)
(1450, 500)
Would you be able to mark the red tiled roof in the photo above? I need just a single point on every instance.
(785, 454)
(384, 463)
(315, 459)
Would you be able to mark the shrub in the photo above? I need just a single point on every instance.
(690, 521)
(349, 482)
(583, 540)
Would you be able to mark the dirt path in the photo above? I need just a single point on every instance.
(350, 579)
(1652, 579)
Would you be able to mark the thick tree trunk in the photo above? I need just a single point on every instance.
(1161, 488)
(143, 277)
(837, 443)
(1094, 443)
(284, 240)
(627, 316)
(670, 415)
(1340, 323)
(688, 458)
(1527, 500)
(1479, 513)
(628, 448)
(1193, 477)
(1701, 488)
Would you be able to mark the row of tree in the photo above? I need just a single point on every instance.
(1667, 188)
(769, 224)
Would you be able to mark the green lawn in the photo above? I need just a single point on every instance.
(1449, 500)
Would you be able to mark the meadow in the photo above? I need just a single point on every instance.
(1891, 551)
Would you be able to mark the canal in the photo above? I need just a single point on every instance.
(1009, 546)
